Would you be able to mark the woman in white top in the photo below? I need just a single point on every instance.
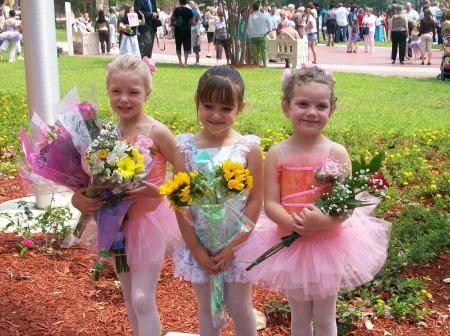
(369, 39)
(311, 32)
(211, 18)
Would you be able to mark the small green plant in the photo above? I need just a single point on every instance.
(53, 223)
(277, 307)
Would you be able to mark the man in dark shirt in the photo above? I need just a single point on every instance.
(147, 32)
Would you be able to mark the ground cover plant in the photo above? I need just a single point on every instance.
(405, 118)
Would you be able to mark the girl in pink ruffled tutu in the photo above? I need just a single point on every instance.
(149, 222)
(332, 252)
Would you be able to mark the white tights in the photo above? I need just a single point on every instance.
(322, 312)
(138, 288)
(238, 300)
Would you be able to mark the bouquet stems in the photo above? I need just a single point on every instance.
(217, 285)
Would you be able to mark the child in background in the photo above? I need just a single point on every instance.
(219, 99)
(195, 40)
(353, 44)
(221, 38)
(415, 41)
(332, 252)
(149, 222)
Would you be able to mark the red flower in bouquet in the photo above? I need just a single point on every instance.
(378, 181)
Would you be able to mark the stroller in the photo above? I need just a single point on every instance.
(445, 62)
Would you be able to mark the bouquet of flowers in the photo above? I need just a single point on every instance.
(53, 152)
(115, 166)
(217, 201)
(344, 196)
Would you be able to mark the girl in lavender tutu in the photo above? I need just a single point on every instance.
(415, 41)
(11, 36)
(332, 252)
(353, 44)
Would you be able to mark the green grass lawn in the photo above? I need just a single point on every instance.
(365, 102)
(61, 34)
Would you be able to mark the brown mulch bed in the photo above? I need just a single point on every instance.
(52, 293)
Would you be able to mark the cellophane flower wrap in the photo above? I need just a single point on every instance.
(216, 201)
(115, 166)
(53, 151)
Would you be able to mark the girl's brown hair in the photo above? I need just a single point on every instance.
(306, 76)
(220, 84)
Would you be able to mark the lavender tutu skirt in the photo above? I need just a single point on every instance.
(317, 267)
(11, 35)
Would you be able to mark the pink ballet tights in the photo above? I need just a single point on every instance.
(322, 312)
(138, 288)
(238, 301)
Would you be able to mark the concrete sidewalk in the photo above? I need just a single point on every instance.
(335, 58)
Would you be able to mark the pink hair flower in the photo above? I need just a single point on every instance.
(307, 65)
(150, 63)
(287, 73)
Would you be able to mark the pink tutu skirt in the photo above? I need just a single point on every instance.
(147, 237)
(317, 267)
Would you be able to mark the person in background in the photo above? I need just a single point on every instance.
(195, 40)
(330, 21)
(112, 25)
(147, 31)
(399, 31)
(258, 26)
(129, 42)
(181, 22)
(102, 27)
(211, 18)
(311, 33)
(342, 23)
(427, 34)
(87, 22)
(221, 38)
(369, 39)
(244, 40)
(290, 29)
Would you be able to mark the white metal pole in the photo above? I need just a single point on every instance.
(41, 63)
(69, 23)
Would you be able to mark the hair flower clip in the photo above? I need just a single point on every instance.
(150, 63)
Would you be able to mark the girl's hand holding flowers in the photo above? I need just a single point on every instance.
(312, 219)
(224, 259)
(147, 190)
(86, 205)
(204, 260)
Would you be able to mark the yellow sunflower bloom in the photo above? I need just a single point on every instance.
(126, 167)
(186, 196)
(235, 185)
(249, 182)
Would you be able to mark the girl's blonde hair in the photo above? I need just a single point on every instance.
(306, 76)
(130, 63)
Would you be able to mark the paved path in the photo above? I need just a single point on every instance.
(335, 58)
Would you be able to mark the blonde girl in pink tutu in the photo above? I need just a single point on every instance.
(332, 252)
(149, 222)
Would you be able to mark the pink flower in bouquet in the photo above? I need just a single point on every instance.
(378, 181)
(330, 168)
(27, 242)
(87, 111)
(143, 143)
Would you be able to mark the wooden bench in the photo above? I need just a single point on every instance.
(85, 43)
(284, 46)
